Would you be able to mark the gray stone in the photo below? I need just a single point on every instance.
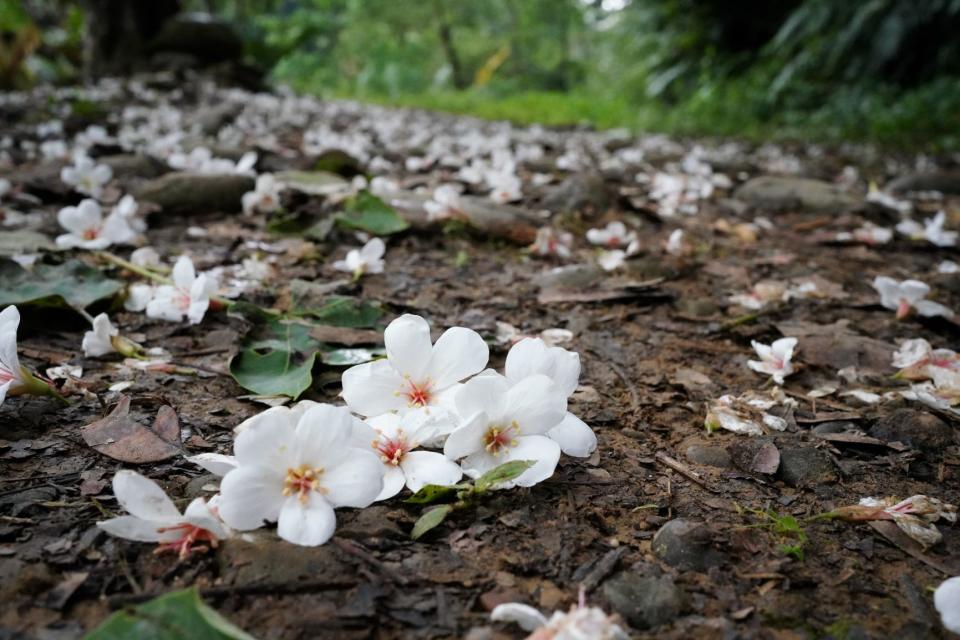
(23, 241)
(942, 181)
(182, 191)
(778, 193)
(806, 466)
(710, 456)
(579, 192)
(269, 560)
(687, 545)
(314, 183)
(755, 455)
(646, 602)
(130, 165)
(919, 429)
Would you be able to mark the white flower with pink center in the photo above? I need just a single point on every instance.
(416, 375)
(86, 176)
(580, 623)
(533, 356)
(444, 203)
(296, 475)
(154, 518)
(552, 243)
(504, 422)
(397, 437)
(368, 259)
(265, 197)
(613, 236)
(88, 229)
(11, 374)
(774, 358)
(188, 296)
(906, 297)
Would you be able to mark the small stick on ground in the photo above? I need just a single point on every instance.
(683, 470)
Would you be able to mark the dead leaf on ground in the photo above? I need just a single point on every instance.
(346, 336)
(122, 438)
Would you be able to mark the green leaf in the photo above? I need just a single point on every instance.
(72, 283)
(430, 520)
(173, 616)
(348, 357)
(503, 473)
(339, 311)
(431, 493)
(369, 213)
(276, 358)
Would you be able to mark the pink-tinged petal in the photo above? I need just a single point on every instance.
(458, 354)
(485, 393)
(216, 463)
(183, 273)
(528, 618)
(356, 481)
(393, 481)
(142, 497)
(250, 496)
(372, 388)
(532, 356)
(321, 436)
(407, 340)
(133, 528)
(913, 290)
(543, 450)
(309, 523)
(574, 436)
(467, 438)
(3, 390)
(536, 404)
(427, 467)
(198, 514)
(268, 441)
(77, 220)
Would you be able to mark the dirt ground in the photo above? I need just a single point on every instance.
(653, 358)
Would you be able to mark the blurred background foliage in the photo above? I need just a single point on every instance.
(881, 70)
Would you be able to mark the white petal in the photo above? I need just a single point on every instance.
(543, 450)
(914, 290)
(531, 356)
(407, 340)
(216, 463)
(183, 273)
(536, 403)
(267, 441)
(356, 481)
(309, 524)
(199, 515)
(946, 599)
(928, 309)
(322, 435)
(133, 528)
(9, 324)
(138, 297)
(372, 388)
(428, 467)
(485, 393)
(528, 618)
(142, 497)
(251, 495)
(574, 436)
(458, 354)
(467, 438)
(373, 250)
(393, 481)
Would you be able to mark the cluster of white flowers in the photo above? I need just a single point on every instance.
(295, 465)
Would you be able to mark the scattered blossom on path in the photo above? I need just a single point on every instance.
(11, 373)
(580, 623)
(86, 176)
(774, 359)
(906, 297)
(88, 229)
(552, 243)
(931, 230)
(265, 197)
(444, 203)
(368, 259)
(188, 297)
(613, 236)
(946, 599)
(99, 340)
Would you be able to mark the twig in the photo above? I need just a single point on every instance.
(683, 469)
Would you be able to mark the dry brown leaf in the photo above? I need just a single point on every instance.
(122, 438)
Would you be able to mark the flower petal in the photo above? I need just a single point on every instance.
(485, 393)
(268, 441)
(393, 481)
(528, 618)
(536, 403)
(531, 356)
(356, 481)
(543, 450)
(142, 497)
(429, 467)
(574, 436)
(458, 354)
(251, 495)
(407, 340)
(371, 388)
(467, 438)
(199, 515)
(216, 463)
(309, 524)
(322, 434)
(133, 528)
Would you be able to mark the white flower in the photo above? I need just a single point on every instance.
(552, 243)
(580, 623)
(907, 296)
(265, 198)
(154, 518)
(917, 352)
(914, 516)
(397, 436)
(188, 296)
(946, 598)
(368, 259)
(612, 260)
(415, 374)
(11, 373)
(888, 201)
(931, 230)
(86, 176)
(774, 358)
(297, 475)
(674, 245)
(533, 356)
(139, 296)
(99, 341)
(127, 209)
(505, 187)
(763, 293)
(613, 236)
(502, 423)
(444, 203)
(869, 234)
(89, 230)
(216, 463)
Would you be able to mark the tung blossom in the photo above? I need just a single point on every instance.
(397, 437)
(906, 297)
(502, 423)
(368, 259)
(774, 358)
(916, 357)
(946, 599)
(99, 340)
(416, 375)
(14, 378)
(914, 516)
(154, 518)
(265, 197)
(88, 229)
(297, 475)
(613, 236)
(552, 243)
(188, 296)
(445, 203)
(931, 230)
(86, 176)
(580, 623)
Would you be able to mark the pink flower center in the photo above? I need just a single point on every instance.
(614, 242)
(301, 481)
(497, 438)
(6, 375)
(186, 544)
(392, 450)
(92, 233)
(418, 394)
(903, 309)
(182, 300)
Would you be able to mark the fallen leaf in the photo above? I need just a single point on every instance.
(122, 438)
